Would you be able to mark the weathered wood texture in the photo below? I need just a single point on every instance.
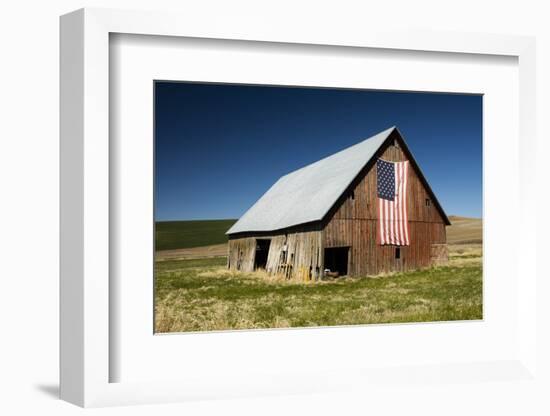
(296, 253)
(241, 254)
(353, 221)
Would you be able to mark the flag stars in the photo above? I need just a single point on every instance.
(385, 179)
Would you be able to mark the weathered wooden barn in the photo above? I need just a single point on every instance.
(322, 219)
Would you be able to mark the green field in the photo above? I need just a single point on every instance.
(202, 295)
(171, 235)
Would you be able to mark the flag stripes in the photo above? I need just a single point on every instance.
(393, 226)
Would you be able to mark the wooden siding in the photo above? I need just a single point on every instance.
(303, 259)
(368, 258)
(353, 221)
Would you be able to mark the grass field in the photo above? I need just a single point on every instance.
(195, 292)
(171, 235)
(202, 295)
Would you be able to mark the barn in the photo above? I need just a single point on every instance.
(365, 210)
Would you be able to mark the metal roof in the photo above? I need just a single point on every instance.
(307, 194)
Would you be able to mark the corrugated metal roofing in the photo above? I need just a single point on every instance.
(307, 194)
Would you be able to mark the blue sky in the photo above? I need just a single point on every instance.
(219, 147)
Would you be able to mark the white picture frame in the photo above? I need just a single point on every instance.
(86, 357)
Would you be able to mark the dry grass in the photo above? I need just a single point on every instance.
(195, 292)
(202, 295)
(251, 277)
(464, 254)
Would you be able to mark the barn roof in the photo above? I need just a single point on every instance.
(307, 194)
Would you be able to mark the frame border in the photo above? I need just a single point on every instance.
(84, 178)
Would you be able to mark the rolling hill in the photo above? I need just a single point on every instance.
(170, 235)
(464, 230)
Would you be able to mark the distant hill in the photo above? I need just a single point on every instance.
(464, 230)
(171, 235)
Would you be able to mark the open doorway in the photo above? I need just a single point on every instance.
(336, 261)
(262, 250)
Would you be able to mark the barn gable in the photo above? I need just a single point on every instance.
(309, 194)
(393, 149)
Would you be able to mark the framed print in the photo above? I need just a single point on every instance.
(298, 254)
(278, 212)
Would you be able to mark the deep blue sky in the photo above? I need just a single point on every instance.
(219, 147)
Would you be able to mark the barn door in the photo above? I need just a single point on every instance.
(336, 261)
(261, 253)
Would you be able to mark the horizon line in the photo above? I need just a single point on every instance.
(230, 219)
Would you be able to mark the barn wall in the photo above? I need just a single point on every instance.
(240, 254)
(369, 258)
(353, 223)
(303, 246)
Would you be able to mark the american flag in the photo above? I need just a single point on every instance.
(391, 182)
